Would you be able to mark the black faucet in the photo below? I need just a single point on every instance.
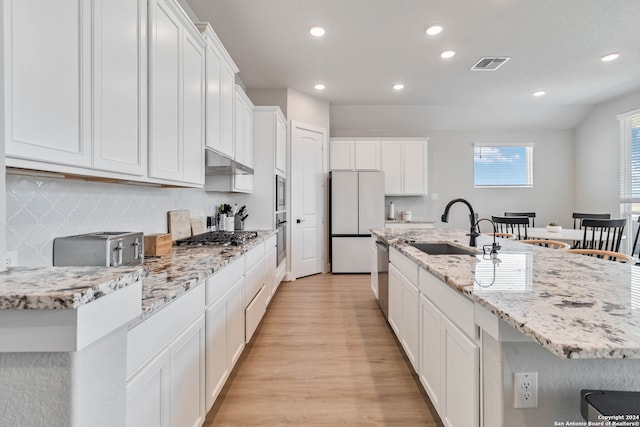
(473, 233)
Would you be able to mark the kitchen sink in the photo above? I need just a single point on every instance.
(443, 249)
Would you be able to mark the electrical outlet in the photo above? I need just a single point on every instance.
(434, 196)
(525, 389)
(11, 259)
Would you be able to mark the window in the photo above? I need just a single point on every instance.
(503, 165)
(630, 172)
(630, 157)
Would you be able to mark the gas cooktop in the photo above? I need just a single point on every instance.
(219, 238)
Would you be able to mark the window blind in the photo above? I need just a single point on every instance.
(503, 165)
(630, 157)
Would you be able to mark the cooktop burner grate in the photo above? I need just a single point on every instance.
(218, 238)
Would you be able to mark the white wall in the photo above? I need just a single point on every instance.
(450, 173)
(308, 109)
(3, 202)
(597, 151)
(40, 209)
(269, 97)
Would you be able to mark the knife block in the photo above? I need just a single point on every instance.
(157, 244)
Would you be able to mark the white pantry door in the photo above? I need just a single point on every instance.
(307, 199)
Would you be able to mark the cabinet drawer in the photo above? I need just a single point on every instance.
(222, 281)
(254, 279)
(254, 255)
(453, 305)
(404, 265)
(152, 335)
(254, 313)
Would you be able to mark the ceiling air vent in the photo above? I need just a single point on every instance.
(490, 63)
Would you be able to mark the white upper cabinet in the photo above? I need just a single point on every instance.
(76, 84)
(220, 81)
(243, 140)
(48, 80)
(119, 88)
(359, 154)
(405, 167)
(281, 144)
(367, 155)
(342, 155)
(176, 95)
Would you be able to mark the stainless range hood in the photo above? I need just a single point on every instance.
(217, 164)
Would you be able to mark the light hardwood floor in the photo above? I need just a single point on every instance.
(323, 355)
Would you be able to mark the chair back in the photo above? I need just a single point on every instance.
(635, 239)
(608, 255)
(516, 225)
(547, 243)
(578, 217)
(603, 234)
(530, 215)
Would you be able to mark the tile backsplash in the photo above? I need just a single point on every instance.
(40, 209)
(418, 205)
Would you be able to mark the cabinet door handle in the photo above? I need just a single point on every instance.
(300, 220)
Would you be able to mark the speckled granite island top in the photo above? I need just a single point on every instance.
(165, 279)
(574, 306)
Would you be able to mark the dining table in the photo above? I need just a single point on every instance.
(565, 234)
(571, 234)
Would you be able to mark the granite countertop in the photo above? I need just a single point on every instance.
(413, 221)
(165, 279)
(575, 306)
(174, 274)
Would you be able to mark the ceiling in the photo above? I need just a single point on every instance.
(554, 45)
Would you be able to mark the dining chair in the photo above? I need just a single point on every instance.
(608, 255)
(578, 217)
(530, 215)
(604, 234)
(516, 225)
(547, 243)
(635, 239)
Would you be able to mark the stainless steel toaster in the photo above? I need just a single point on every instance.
(107, 248)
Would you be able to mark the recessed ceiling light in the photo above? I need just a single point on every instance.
(539, 93)
(317, 31)
(398, 86)
(319, 86)
(447, 54)
(434, 29)
(610, 57)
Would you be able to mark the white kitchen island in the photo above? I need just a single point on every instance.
(573, 320)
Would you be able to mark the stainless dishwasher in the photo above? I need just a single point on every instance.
(383, 277)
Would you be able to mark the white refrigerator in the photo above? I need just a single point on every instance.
(357, 205)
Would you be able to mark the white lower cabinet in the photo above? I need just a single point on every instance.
(449, 357)
(148, 394)
(431, 350)
(187, 373)
(404, 311)
(395, 299)
(166, 370)
(224, 326)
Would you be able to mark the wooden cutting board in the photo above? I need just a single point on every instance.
(179, 224)
(197, 226)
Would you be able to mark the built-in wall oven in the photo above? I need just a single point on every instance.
(281, 240)
(281, 200)
(281, 218)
